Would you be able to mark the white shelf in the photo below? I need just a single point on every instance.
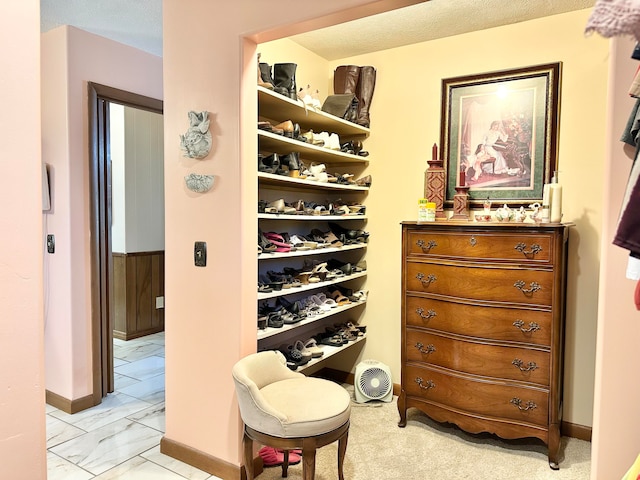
(282, 146)
(270, 331)
(278, 107)
(311, 286)
(282, 181)
(306, 253)
(316, 218)
(329, 351)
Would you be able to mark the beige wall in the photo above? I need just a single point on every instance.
(22, 424)
(70, 58)
(405, 122)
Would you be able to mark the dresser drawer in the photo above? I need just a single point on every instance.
(505, 362)
(524, 404)
(521, 247)
(526, 286)
(498, 323)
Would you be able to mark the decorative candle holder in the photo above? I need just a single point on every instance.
(461, 203)
(434, 183)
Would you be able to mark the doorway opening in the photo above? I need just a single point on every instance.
(101, 221)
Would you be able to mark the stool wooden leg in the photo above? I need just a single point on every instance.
(342, 450)
(308, 459)
(285, 464)
(247, 442)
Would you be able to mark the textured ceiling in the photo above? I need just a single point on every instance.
(138, 23)
(427, 21)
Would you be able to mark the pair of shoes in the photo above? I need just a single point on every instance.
(262, 82)
(294, 355)
(331, 141)
(267, 127)
(272, 457)
(312, 346)
(283, 78)
(328, 237)
(309, 98)
(265, 244)
(352, 147)
(312, 138)
(279, 206)
(270, 164)
(340, 299)
(364, 181)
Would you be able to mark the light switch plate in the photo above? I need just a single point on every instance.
(200, 254)
(51, 243)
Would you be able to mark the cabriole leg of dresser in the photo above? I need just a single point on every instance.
(554, 446)
(402, 409)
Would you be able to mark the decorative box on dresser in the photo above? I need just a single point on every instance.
(483, 310)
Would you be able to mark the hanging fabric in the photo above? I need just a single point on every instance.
(612, 18)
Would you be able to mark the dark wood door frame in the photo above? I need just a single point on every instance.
(100, 210)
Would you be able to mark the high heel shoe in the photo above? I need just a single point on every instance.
(286, 127)
(292, 161)
(364, 181)
(269, 164)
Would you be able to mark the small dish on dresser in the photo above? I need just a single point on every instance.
(483, 217)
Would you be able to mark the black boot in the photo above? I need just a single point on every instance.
(284, 76)
(265, 75)
(364, 92)
(345, 79)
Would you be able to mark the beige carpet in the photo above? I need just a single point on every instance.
(380, 450)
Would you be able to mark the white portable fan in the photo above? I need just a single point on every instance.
(373, 382)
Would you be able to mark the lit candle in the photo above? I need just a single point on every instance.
(434, 153)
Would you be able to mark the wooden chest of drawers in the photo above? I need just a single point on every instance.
(483, 326)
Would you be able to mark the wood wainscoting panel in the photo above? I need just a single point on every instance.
(138, 281)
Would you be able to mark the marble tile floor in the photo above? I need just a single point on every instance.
(120, 438)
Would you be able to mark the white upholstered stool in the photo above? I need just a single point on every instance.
(287, 410)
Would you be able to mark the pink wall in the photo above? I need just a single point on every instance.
(70, 58)
(22, 424)
(210, 312)
(616, 421)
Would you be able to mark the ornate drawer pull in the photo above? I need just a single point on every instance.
(425, 385)
(520, 286)
(473, 241)
(430, 313)
(519, 363)
(518, 403)
(426, 246)
(535, 248)
(430, 348)
(533, 326)
(426, 279)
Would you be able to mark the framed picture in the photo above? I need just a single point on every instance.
(498, 134)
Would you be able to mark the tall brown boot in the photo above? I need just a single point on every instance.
(364, 92)
(345, 79)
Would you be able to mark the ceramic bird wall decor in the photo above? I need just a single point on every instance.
(196, 142)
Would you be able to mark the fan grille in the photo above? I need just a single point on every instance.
(374, 383)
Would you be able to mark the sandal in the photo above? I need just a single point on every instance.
(339, 298)
(331, 340)
(274, 458)
(301, 347)
(294, 355)
(279, 242)
(312, 346)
